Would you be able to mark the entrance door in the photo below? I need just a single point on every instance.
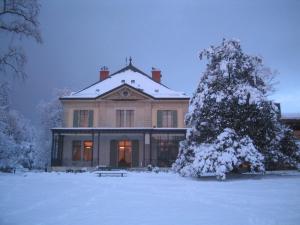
(124, 153)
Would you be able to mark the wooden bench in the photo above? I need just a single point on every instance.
(111, 174)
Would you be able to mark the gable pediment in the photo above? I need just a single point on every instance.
(125, 93)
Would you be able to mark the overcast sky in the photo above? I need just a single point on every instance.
(82, 36)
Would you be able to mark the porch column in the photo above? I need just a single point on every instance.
(98, 149)
(147, 150)
(53, 145)
(93, 141)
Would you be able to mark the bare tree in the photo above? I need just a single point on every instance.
(19, 19)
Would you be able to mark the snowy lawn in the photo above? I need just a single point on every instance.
(147, 198)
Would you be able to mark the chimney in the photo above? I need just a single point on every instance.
(156, 75)
(104, 73)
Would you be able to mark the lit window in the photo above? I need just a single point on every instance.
(124, 154)
(87, 150)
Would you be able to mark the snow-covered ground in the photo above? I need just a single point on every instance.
(147, 198)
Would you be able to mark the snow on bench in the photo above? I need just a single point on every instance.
(111, 174)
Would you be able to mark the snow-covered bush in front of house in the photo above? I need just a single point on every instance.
(230, 120)
(226, 153)
(156, 169)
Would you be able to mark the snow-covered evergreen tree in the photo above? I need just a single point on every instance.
(231, 123)
(51, 115)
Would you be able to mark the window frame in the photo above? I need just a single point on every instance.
(167, 118)
(83, 118)
(87, 156)
(125, 117)
(74, 156)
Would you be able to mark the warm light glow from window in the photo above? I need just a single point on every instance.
(88, 144)
(87, 150)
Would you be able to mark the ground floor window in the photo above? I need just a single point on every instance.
(76, 150)
(87, 150)
(124, 153)
(82, 154)
(165, 148)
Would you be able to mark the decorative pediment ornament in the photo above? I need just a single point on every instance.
(125, 93)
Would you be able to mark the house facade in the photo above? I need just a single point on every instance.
(126, 119)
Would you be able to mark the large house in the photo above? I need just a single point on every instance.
(126, 119)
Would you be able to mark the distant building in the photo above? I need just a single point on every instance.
(293, 121)
(126, 119)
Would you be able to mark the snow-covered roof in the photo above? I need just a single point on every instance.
(132, 77)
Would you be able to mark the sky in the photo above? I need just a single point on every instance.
(79, 37)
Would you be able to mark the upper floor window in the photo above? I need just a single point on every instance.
(166, 118)
(83, 118)
(125, 118)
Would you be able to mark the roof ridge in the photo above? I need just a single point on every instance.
(130, 67)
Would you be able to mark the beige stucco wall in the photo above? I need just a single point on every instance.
(145, 110)
(180, 106)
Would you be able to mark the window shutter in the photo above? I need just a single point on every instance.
(159, 118)
(174, 118)
(91, 118)
(113, 153)
(75, 118)
(135, 153)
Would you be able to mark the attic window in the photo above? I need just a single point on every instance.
(156, 90)
(132, 81)
(123, 81)
(125, 93)
(97, 90)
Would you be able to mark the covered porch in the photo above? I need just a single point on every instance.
(115, 147)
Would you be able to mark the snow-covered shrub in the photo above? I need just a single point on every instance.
(149, 168)
(224, 155)
(156, 169)
(230, 119)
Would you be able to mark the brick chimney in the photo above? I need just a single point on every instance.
(104, 73)
(156, 75)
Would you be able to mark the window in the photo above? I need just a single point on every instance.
(164, 149)
(87, 150)
(166, 118)
(124, 154)
(76, 150)
(83, 118)
(125, 118)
